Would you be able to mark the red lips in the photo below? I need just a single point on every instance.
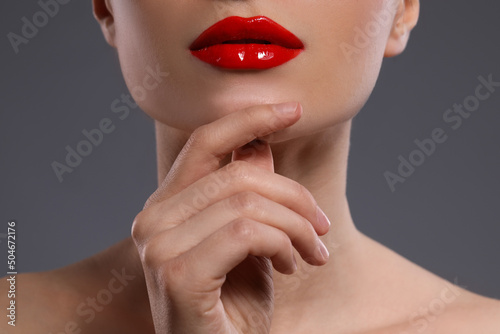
(246, 43)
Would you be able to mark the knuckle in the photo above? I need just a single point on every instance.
(239, 171)
(282, 237)
(137, 230)
(303, 193)
(275, 123)
(283, 242)
(244, 202)
(305, 230)
(147, 256)
(242, 229)
(197, 137)
(151, 252)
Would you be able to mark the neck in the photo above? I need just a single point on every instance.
(318, 162)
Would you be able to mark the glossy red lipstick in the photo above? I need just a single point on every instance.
(253, 43)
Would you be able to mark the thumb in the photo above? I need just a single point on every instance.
(256, 152)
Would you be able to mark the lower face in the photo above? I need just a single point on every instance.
(332, 77)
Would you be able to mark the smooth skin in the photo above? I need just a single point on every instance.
(215, 247)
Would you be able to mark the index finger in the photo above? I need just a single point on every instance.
(212, 142)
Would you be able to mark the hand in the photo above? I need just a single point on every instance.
(209, 236)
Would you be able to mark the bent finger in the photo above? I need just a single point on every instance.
(209, 144)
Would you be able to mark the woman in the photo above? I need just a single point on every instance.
(237, 237)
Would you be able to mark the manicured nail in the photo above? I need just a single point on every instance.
(322, 218)
(323, 251)
(286, 108)
(294, 264)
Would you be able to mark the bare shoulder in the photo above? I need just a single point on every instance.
(429, 304)
(467, 313)
(472, 313)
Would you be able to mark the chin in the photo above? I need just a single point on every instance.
(193, 94)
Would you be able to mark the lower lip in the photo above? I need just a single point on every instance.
(246, 56)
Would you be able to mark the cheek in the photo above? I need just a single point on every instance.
(153, 56)
(347, 47)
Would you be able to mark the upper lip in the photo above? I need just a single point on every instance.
(234, 28)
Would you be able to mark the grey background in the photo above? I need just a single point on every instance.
(445, 217)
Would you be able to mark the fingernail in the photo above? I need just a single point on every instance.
(323, 251)
(286, 108)
(323, 220)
